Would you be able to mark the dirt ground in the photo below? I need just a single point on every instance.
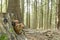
(32, 34)
(40, 35)
(44, 35)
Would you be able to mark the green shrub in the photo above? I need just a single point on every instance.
(3, 37)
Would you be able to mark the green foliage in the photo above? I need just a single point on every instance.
(11, 29)
(3, 37)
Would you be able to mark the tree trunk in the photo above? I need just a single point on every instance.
(35, 15)
(14, 7)
(58, 25)
(22, 9)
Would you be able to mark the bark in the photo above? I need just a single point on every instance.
(58, 25)
(22, 8)
(14, 7)
(35, 15)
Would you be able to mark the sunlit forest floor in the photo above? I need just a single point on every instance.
(33, 34)
(45, 35)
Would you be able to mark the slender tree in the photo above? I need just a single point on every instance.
(58, 25)
(22, 9)
(28, 14)
(35, 14)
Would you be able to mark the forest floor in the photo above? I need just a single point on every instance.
(44, 35)
(40, 35)
(32, 34)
